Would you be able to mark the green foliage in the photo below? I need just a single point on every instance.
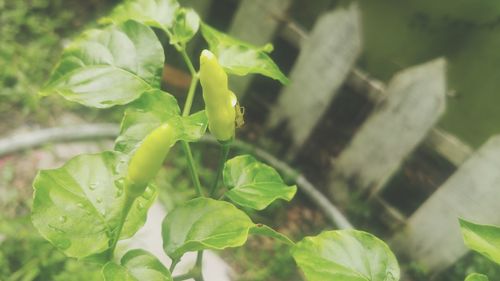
(253, 184)
(78, 207)
(186, 25)
(149, 112)
(32, 33)
(136, 265)
(85, 207)
(484, 239)
(260, 260)
(348, 255)
(265, 230)
(241, 58)
(204, 224)
(108, 67)
(156, 13)
(24, 255)
(472, 262)
(476, 277)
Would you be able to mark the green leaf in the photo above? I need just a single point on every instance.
(115, 272)
(78, 207)
(204, 223)
(241, 58)
(193, 127)
(253, 184)
(476, 277)
(484, 239)
(144, 266)
(138, 213)
(108, 67)
(156, 13)
(154, 108)
(137, 265)
(265, 230)
(346, 255)
(144, 115)
(187, 23)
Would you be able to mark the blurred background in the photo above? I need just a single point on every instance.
(391, 114)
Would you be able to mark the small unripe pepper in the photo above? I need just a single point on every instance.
(148, 159)
(220, 102)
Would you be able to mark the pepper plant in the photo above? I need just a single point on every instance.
(95, 200)
(484, 239)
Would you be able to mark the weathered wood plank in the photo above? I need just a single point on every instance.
(326, 58)
(449, 146)
(432, 234)
(255, 22)
(415, 100)
(445, 144)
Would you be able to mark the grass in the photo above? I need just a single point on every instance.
(33, 34)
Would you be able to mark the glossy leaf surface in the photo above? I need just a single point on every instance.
(155, 13)
(153, 109)
(265, 230)
(137, 265)
(346, 255)
(108, 67)
(78, 207)
(253, 184)
(484, 239)
(241, 58)
(204, 223)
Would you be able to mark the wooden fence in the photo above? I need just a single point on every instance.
(404, 118)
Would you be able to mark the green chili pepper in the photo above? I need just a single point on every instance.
(148, 159)
(220, 102)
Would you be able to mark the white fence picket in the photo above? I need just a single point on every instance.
(432, 235)
(326, 58)
(415, 100)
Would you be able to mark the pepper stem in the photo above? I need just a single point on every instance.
(225, 147)
(129, 201)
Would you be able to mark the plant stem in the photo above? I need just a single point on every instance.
(172, 266)
(183, 277)
(185, 112)
(129, 201)
(192, 168)
(193, 84)
(222, 159)
(199, 265)
(199, 258)
(187, 150)
(188, 61)
(190, 95)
